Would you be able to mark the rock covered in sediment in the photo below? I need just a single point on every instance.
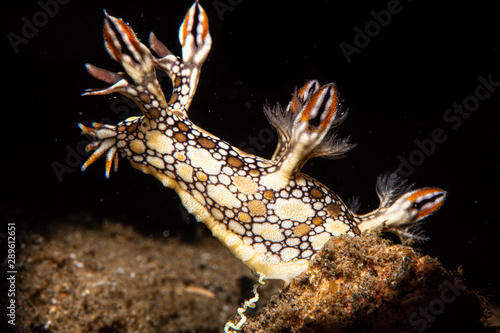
(367, 284)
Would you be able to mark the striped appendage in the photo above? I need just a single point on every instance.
(271, 216)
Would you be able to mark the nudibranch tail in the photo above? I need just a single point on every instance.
(401, 207)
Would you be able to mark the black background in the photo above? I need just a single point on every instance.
(398, 88)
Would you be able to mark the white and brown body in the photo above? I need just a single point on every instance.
(271, 216)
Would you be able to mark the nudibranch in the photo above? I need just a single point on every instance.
(270, 215)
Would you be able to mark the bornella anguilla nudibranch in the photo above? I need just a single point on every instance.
(270, 215)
